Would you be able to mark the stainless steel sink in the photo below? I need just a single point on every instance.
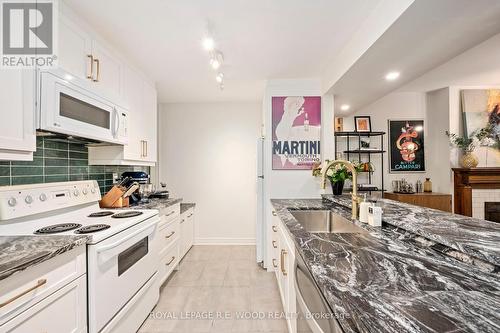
(325, 221)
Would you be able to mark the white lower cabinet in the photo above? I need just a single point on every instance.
(187, 231)
(169, 242)
(283, 250)
(49, 297)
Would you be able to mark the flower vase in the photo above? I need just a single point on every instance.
(337, 187)
(469, 160)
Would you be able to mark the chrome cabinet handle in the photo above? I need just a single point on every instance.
(275, 229)
(171, 234)
(146, 150)
(171, 260)
(275, 264)
(98, 70)
(170, 213)
(182, 221)
(91, 58)
(283, 254)
(274, 245)
(39, 283)
(190, 215)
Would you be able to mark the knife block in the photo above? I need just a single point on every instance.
(114, 199)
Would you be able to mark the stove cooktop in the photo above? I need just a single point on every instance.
(57, 228)
(92, 228)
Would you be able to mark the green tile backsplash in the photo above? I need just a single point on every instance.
(59, 161)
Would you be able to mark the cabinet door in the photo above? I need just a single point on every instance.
(68, 305)
(150, 122)
(108, 71)
(75, 47)
(132, 96)
(17, 98)
(189, 230)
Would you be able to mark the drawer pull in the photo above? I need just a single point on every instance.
(274, 213)
(283, 253)
(39, 283)
(275, 264)
(190, 215)
(171, 234)
(182, 221)
(170, 213)
(274, 245)
(171, 261)
(275, 229)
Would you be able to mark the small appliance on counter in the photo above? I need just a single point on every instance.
(160, 194)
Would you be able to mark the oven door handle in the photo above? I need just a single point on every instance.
(149, 227)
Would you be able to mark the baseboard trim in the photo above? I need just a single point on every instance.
(224, 241)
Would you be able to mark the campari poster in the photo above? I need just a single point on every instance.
(296, 122)
(406, 143)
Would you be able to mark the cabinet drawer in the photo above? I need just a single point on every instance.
(62, 312)
(169, 234)
(24, 289)
(170, 213)
(169, 261)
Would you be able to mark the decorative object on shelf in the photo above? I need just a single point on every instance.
(296, 125)
(468, 144)
(419, 187)
(427, 185)
(364, 166)
(406, 142)
(362, 124)
(481, 111)
(402, 186)
(339, 124)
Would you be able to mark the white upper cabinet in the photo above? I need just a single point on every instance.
(17, 110)
(150, 109)
(107, 70)
(82, 55)
(75, 49)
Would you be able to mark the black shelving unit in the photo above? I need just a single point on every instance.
(351, 151)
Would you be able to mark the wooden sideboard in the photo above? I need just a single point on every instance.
(441, 201)
(466, 179)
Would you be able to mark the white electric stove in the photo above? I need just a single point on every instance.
(121, 248)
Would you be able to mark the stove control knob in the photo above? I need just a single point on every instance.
(28, 199)
(43, 197)
(76, 192)
(85, 191)
(12, 202)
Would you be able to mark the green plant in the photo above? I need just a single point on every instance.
(468, 144)
(338, 173)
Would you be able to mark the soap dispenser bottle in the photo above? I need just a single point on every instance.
(363, 210)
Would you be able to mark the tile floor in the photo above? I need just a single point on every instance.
(218, 281)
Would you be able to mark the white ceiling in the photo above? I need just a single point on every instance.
(427, 34)
(260, 39)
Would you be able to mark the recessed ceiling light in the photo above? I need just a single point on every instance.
(219, 78)
(208, 44)
(345, 107)
(391, 76)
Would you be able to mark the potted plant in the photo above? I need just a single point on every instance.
(468, 144)
(337, 176)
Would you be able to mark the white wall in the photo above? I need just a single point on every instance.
(207, 155)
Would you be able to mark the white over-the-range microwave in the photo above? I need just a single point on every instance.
(66, 105)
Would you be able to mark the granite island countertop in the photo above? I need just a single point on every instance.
(156, 203)
(474, 237)
(382, 282)
(185, 206)
(17, 253)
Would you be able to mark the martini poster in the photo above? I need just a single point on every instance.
(296, 122)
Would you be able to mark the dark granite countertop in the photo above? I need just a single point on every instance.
(388, 281)
(186, 206)
(474, 237)
(156, 203)
(20, 252)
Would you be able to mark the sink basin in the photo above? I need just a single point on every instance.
(315, 221)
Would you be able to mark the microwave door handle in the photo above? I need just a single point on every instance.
(116, 122)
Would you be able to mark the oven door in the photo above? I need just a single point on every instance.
(69, 108)
(117, 269)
